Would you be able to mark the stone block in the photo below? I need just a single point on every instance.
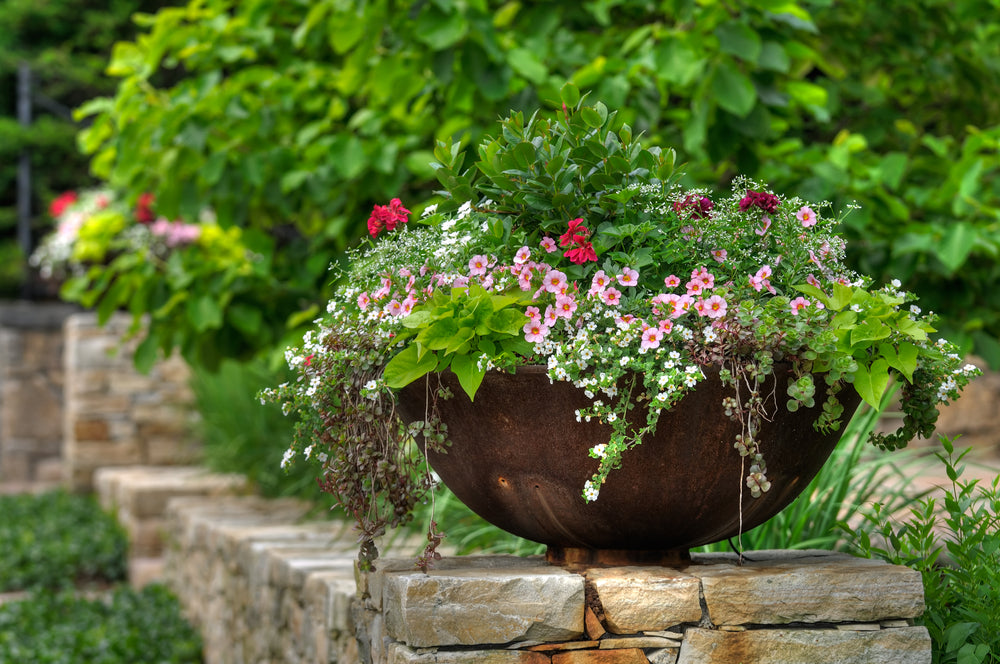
(621, 656)
(91, 430)
(397, 653)
(639, 599)
(523, 604)
(903, 645)
(809, 587)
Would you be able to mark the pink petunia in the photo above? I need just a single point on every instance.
(715, 307)
(651, 337)
(611, 297)
(535, 331)
(806, 216)
(478, 265)
(628, 277)
(798, 304)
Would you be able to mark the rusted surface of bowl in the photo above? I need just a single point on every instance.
(519, 459)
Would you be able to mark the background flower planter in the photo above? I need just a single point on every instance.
(519, 459)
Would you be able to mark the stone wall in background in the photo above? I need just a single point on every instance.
(115, 416)
(31, 390)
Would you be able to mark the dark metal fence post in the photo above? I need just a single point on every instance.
(24, 165)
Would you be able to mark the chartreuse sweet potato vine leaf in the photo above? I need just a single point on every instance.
(462, 329)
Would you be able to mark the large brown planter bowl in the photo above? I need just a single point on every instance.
(519, 459)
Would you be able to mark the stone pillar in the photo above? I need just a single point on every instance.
(114, 415)
(31, 390)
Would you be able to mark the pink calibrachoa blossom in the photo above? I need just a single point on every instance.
(813, 281)
(599, 283)
(363, 301)
(554, 281)
(666, 325)
(762, 280)
(408, 304)
(628, 277)
(798, 304)
(765, 222)
(694, 287)
(651, 337)
(522, 256)
(715, 307)
(478, 265)
(535, 331)
(381, 293)
(551, 315)
(704, 277)
(611, 297)
(672, 281)
(395, 308)
(524, 279)
(565, 306)
(677, 305)
(548, 244)
(533, 313)
(806, 216)
(720, 255)
(701, 307)
(813, 259)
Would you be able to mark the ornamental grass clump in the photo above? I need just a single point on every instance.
(570, 245)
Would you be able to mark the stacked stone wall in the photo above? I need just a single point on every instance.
(114, 415)
(32, 381)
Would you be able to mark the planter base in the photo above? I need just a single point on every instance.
(569, 556)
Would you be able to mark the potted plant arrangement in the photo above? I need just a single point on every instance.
(594, 357)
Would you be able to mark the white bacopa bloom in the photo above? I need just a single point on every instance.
(287, 458)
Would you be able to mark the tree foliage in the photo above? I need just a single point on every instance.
(295, 116)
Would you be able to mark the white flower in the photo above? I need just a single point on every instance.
(590, 491)
(896, 283)
(287, 458)
(600, 451)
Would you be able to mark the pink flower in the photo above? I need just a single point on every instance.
(813, 281)
(565, 306)
(666, 325)
(628, 277)
(677, 305)
(706, 278)
(798, 304)
(611, 297)
(524, 279)
(551, 315)
(806, 216)
(813, 259)
(548, 244)
(554, 281)
(363, 301)
(700, 307)
(533, 313)
(534, 331)
(719, 255)
(522, 256)
(672, 281)
(478, 265)
(765, 225)
(694, 287)
(599, 283)
(715, 307)
(395, 307)
(651, 338)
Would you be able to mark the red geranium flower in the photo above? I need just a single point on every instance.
(63, 201)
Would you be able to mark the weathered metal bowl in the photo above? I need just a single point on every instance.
(519, 459)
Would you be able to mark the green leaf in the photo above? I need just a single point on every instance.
(146, 353)
(525, 63)
(871, 381)
(417, 319)
(407, 366)
(470, 375)
(461, 338)
(570, 95)
(439, 30)
(869, 330)
(438, 335)
(956, 245)
(204, 312)
(739, 39)
(733, 90)
(506, 321)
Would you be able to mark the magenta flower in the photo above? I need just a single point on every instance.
(759, 199)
